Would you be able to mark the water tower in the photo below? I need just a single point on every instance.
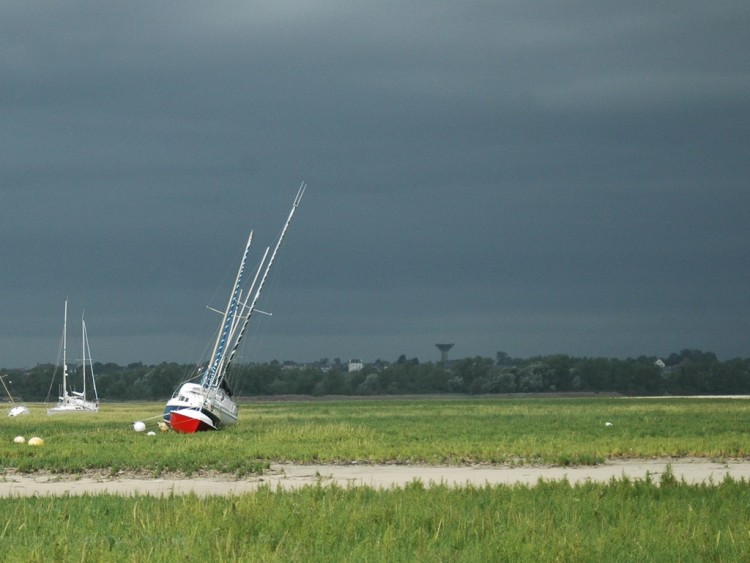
(444, 351)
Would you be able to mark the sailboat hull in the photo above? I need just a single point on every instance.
(70, 407)
(190, 421)
(209, 409)
(74, 402)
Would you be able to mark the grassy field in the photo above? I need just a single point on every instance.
(663, 520)
(621, 521)
(550, 431)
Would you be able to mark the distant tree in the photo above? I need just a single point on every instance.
(503, 359)
(307, 381)
(478, 385)
(332, 383)
(690, 371)
(456, 384)
(531, 377)
(371, 385)
(279, 387)
(357, 378)
(163, 379)
(505, 381)
(470, 369)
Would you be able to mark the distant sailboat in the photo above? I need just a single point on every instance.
(71, 401)
(207, 404)
(17, 408)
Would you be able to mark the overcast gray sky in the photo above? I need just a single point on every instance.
(531, 177)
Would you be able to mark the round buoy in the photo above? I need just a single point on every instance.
(139, 426)
(19, 440)
(36, 441)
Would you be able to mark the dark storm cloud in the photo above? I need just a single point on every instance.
(533, 178)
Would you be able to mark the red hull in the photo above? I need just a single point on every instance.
(188, 421)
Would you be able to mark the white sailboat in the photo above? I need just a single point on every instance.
(207, 404)
(71, 401)
(17, 407)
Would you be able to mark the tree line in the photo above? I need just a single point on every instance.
(689, 372)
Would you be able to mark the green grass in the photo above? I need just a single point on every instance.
(519, 431)
(553, 521)
(622, 520)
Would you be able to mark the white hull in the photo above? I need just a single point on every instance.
(70, 404)
(214, 403)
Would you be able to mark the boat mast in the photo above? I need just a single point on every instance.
(218, 351)
(221, 370)
(87, 357)
(83, 352)
(65, 346)
(296, 202)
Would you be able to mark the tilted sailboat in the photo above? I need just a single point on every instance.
(207, 404)
(71, 401)
(17, 407)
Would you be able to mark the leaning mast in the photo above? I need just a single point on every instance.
(250, 310)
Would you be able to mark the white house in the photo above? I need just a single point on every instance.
(355, 365)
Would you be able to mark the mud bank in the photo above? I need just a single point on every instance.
(289, 476)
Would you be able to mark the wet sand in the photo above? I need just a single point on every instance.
(289, 476)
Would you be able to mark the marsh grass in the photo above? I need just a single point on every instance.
(623, 520)
(519, 431)
(550, 431)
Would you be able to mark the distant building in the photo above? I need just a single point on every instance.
(355, 365)
(444, 349)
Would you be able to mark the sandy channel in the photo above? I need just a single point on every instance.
(289, 476)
